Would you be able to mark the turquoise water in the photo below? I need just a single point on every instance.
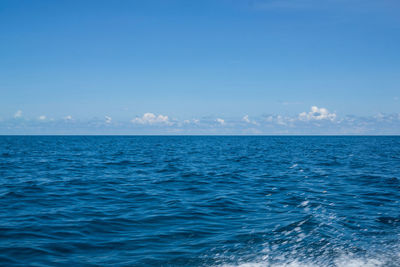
(199, 201)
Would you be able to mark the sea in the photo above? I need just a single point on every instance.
(200, 201)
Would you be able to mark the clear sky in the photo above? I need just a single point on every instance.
(200, 67)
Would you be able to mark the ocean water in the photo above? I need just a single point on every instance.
(199, 201)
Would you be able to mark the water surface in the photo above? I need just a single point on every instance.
(199, 201)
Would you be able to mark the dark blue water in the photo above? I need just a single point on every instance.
(200, 201)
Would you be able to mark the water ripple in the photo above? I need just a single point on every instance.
(199, 201)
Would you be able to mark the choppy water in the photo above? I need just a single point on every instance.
(200, 201)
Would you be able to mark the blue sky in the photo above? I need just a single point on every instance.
(200, 67)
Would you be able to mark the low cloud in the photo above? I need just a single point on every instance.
(18, 114)
(382, 117)
(280, 120)
(247, 120)
(317, 113)
(316, 121)
(193, 121)
(220, 121)
(151, 119)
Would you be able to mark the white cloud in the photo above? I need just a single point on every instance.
(280, 120)
(317, 113)
(108, 119)
(247, 120)
(379, 116)
(68, 118)
(270, 118)
(382, 117)
(150, 118)
(18, 114)
(42, 117)
(220, 121)
(193, 121)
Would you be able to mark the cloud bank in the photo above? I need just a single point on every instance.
(317, 120)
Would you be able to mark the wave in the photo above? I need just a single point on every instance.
(348, 260)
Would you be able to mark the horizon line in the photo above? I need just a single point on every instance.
(205, 135)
